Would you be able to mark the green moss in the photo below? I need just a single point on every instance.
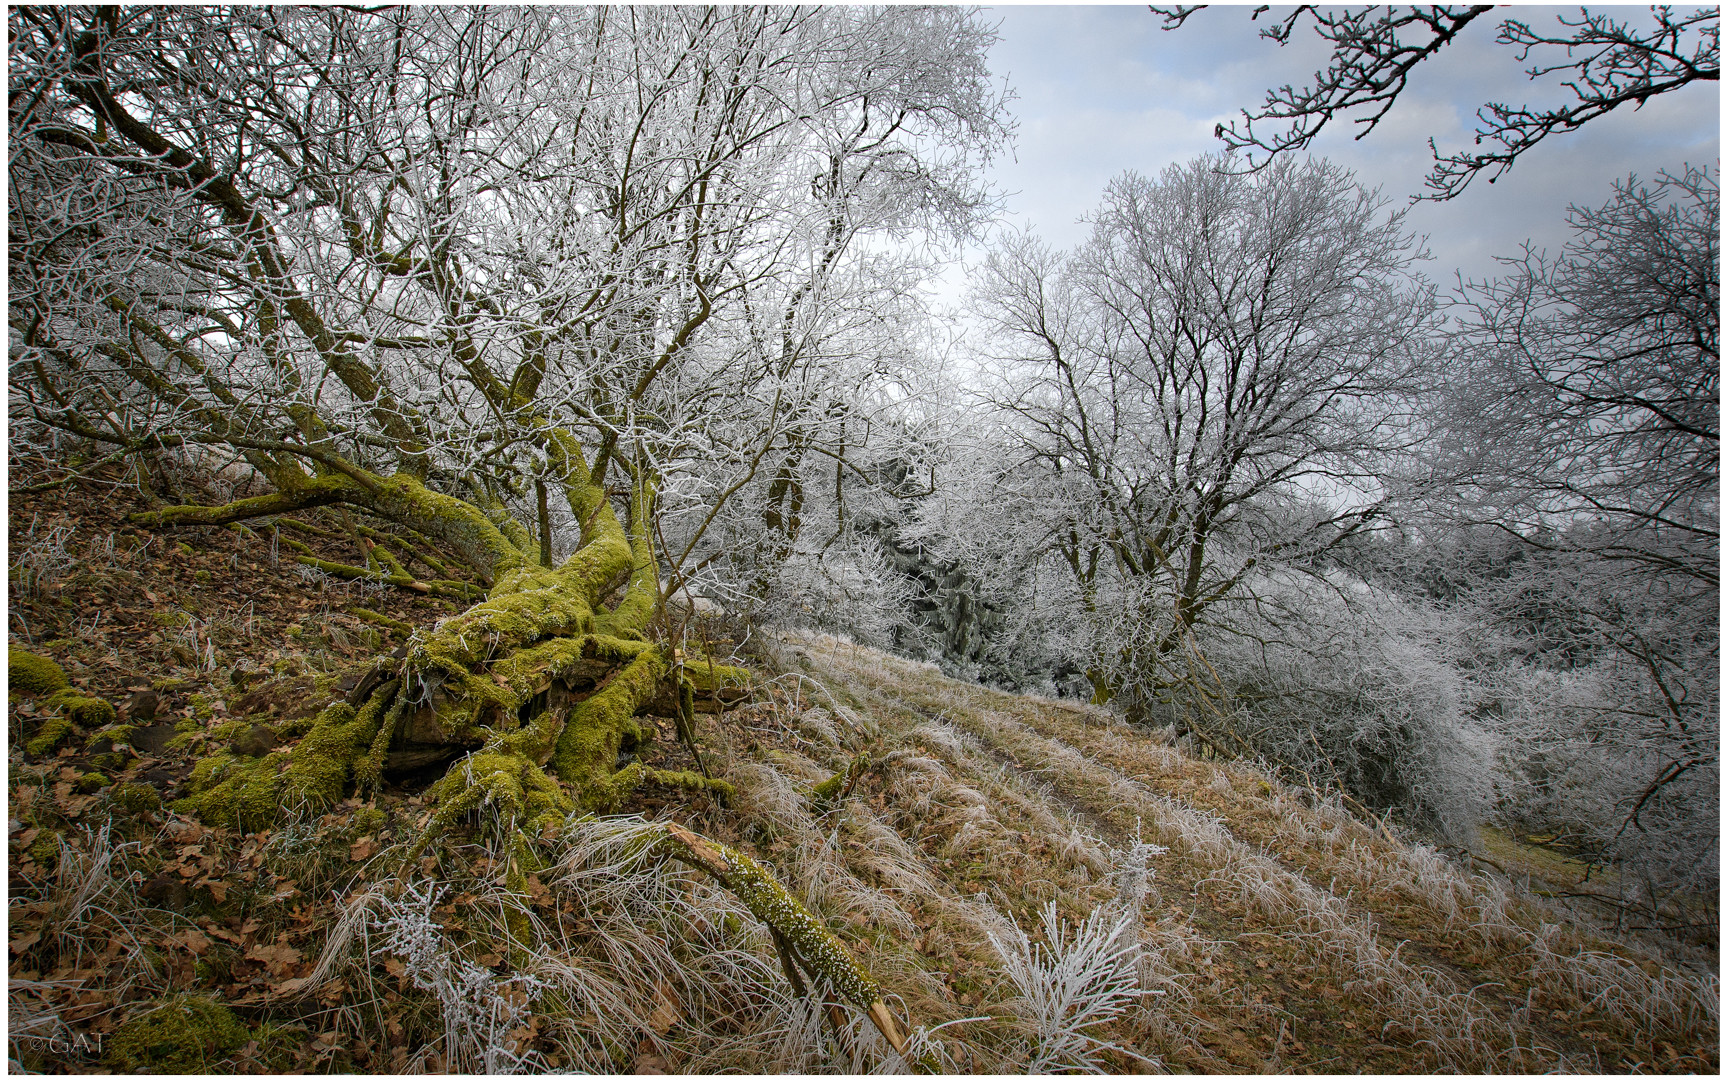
(368, 615)
(135, 799)
(84, 710)
(118, 734)
(366, 820)
(31, 675)
(45, 849)
(203, 707)
(201, 576)
(186, 1034)
(710, 681)
(54, 731)
(92, 782)
(829, 790)
(685, 780)
(172, 619)
(769, 901)
(233, 791)
(319, 767)
(516, 787)
(229, 791)
(588, 748)
(526, 605)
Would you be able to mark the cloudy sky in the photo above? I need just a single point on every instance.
(1103, 89)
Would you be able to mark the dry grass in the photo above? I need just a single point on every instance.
(1288, 934)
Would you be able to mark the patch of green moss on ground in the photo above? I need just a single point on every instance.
(54, 731)
(45, 849)
(135, 799)
(30, 674)
(186, 1034)
(230, 791)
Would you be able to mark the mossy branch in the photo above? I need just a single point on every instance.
(324, 491)
(811, 943)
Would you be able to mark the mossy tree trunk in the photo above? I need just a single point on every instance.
(548, 672)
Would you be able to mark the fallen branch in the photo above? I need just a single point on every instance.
(797, 934)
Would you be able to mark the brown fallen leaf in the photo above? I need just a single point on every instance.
(666, 1013)
(362, 849)
(19, 944)
(192, 939)
(277, 959)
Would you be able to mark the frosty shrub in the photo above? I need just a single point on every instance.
(481, 1011)
(1336, 684)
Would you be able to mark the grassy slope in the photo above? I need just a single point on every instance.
(1290, 935)
(1278, 933)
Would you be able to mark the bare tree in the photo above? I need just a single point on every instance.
(1606, 62)
(1227, 352)
(1585, 388)
(433, 263)
(1582, 422)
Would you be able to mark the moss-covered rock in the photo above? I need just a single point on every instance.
(185, 1034)
(32, 675)
(83, 709)
(135, 800)
(54, 731)
(92, 782)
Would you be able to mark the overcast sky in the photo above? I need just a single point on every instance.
(1103, 89)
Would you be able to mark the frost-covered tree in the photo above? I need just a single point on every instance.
(1227, 352)
(1581, 426)
(517, 279)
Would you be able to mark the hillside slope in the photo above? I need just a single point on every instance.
(1284, 933)
(1037, 885)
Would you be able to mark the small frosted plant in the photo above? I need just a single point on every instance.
(1073, 982)
(480, 1009)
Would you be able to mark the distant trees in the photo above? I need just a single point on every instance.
(1224, 352)
(1605, 62)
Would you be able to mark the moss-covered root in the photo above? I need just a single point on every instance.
(587, 750)
(233, 790)
(501, 779)
(817, 949)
